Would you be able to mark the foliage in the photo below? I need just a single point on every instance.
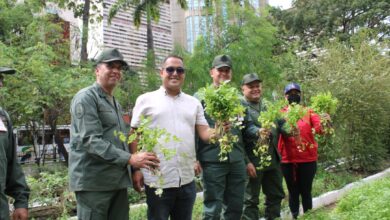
(358, 76)
(272, 113)
(294, 113)
(89, 11)
(222, 104)
(267, 120)
(51, 189)
(317, 21)
(151, 139)
(323, 103)
(247, 37)
(41, 90)
(365, 202)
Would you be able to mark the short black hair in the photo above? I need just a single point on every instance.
(171, 56)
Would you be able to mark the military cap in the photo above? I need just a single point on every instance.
(110, 55)
(292, 86)
(250, 77)
(222, 61)
(6, 70)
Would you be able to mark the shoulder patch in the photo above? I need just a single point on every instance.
(79, 110)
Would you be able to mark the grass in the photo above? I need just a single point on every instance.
(324, 182)
(369, 201)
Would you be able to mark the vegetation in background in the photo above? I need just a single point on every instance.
(315, 22)
(358, 75)
(245, 35)
(41, 90)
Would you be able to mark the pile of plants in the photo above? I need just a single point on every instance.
(223, 105)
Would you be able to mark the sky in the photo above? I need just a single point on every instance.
(284, 4)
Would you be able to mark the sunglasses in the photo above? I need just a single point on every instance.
(170, 70)
(114, 64)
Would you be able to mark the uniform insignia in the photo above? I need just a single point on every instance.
(3, 124)
(79, 110)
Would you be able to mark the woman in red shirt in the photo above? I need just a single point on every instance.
(299, 154)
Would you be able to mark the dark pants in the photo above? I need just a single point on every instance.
(299, 179)
(102, 205)
(271, 182)
(224, 187)
(176, 203)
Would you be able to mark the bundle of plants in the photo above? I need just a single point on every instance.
(267, 120)
(152, 139)
(223, 105)
(322, 104)
(294, 113)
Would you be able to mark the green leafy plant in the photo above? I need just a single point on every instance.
(267, 120)
(324, 103)
(293, 114)
(222, 104)
(152, 139)
(51, 189)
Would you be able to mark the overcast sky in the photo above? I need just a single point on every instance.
(284, 4)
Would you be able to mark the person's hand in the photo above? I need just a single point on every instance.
(264, 133)
(146, 160)
(212, 133)
(138, 180)
(197, 168)
(251, 170)
(20, 214)
(325, 116)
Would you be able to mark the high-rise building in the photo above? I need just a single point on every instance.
(122, 34)
(188, 25)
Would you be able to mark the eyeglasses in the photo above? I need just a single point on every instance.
(170, 70)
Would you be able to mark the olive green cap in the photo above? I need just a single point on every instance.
(250, 77)
(110, 55)
(6, 70)
(222, 61)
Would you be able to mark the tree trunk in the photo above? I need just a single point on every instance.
(84, 38)
(151, 59)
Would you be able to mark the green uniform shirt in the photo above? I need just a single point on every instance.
(12, 180)
(98, 160)
(254, 110)
(207, 152)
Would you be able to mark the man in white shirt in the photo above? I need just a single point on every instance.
(181, 115)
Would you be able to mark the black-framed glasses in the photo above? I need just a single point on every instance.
(170, 70)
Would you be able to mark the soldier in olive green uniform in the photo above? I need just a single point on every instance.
(12, 180)
(269, 178)
(98, 161)
(224, 181)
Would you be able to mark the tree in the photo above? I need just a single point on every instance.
(151, 8)
(316, 21)
(358, 75)
(39, 94)
(83, 9)
(247, 37)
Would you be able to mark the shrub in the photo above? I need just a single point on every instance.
(358, 75)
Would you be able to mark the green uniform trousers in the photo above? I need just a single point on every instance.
(223, 187)
(102, 205)
(272, 182)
